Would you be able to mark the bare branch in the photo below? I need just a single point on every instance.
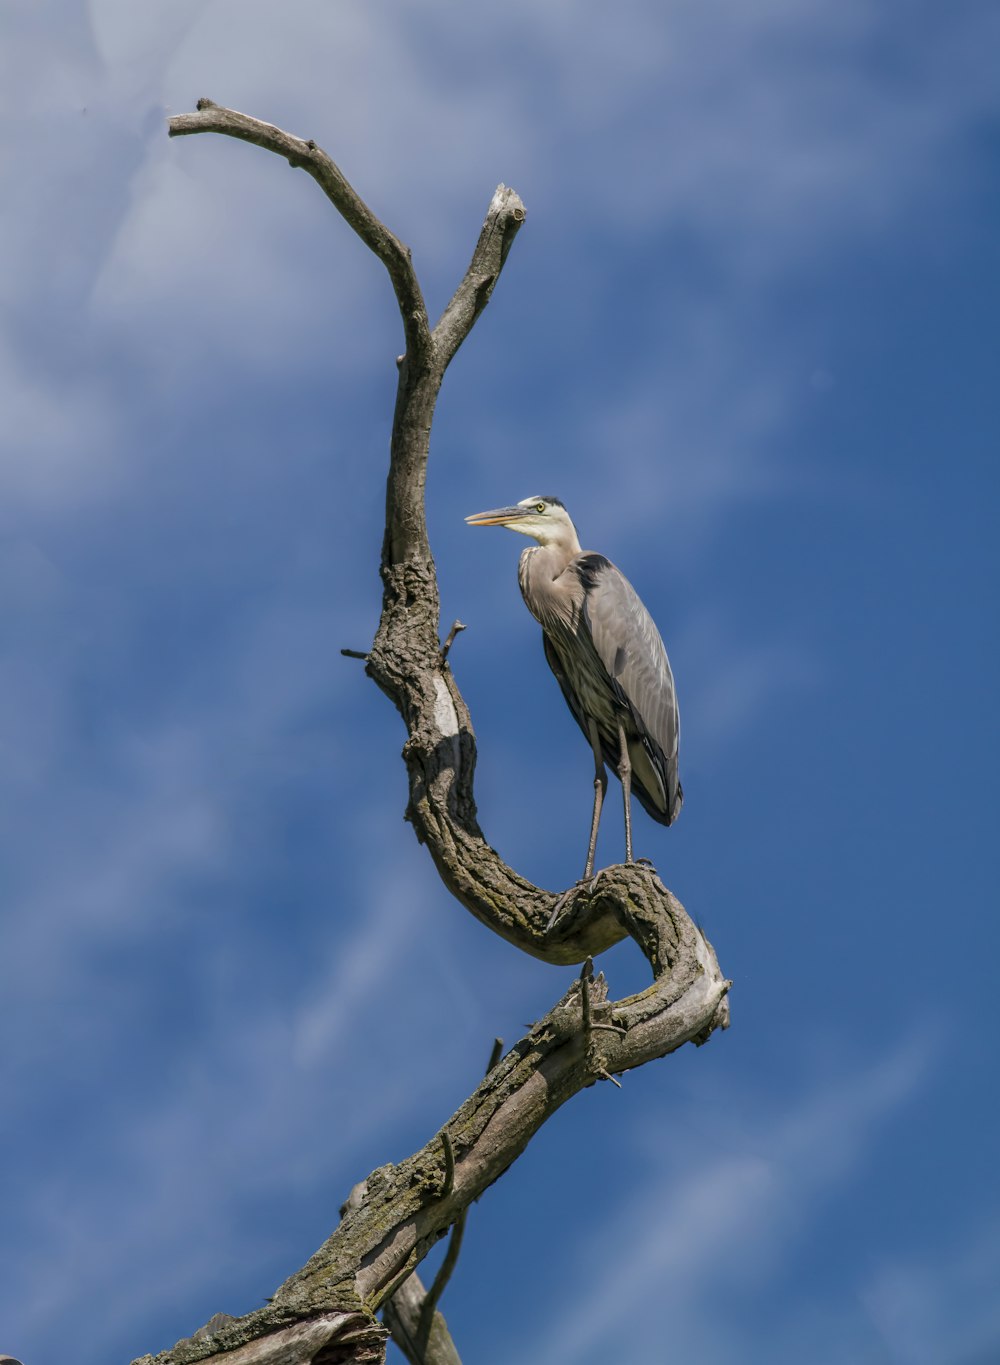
(432, 1298)
(452, 634)
(407, 566)
(503, 219)
(213, 118)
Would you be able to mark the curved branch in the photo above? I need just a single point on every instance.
(505, 216)
(213, 118)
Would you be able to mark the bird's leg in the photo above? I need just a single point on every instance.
(600, 787)
(625, 773)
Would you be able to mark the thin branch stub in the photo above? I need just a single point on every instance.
(495, 1054)
(445, 648)
(449, 1164)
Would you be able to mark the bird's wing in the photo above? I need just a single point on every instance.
(630, 648)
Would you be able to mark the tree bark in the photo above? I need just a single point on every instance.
(325, 1312)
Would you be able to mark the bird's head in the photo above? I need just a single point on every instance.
(544, 519)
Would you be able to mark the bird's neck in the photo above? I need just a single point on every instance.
(561, 543)
(539, 574)
(551, 559)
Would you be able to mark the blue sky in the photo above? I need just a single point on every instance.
(748, 334)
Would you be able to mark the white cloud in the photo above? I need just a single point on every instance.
(60, 435)
(375, 951)
(210, 265)
(137, 35)
(773, 132)
(770, 135)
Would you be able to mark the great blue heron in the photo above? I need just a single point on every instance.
(607, 655)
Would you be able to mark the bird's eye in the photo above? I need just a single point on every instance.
(539, 506)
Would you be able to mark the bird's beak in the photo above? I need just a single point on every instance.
(500, 516)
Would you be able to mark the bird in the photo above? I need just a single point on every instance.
(608, 658)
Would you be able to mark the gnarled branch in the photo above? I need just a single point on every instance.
(402, 1211)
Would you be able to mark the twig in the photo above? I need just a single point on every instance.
(451, 639)
(353, 654)
(449, 1164)
(416, 1342)
(495, 1054)
(586, 972)
(441, 1279)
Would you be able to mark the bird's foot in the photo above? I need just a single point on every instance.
(595, 879)
(587, 882)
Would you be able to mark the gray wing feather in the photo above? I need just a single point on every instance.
(630, 648)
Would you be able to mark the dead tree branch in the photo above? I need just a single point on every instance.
(325, 1311)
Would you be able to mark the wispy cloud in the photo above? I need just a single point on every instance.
(772, 133)
(940, 1307)
(733, 1209)
(201, 916)
(261, 1101)
(733, 686)
(61, 436)
(375, 951)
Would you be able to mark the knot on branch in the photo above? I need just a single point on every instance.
(410, 609)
